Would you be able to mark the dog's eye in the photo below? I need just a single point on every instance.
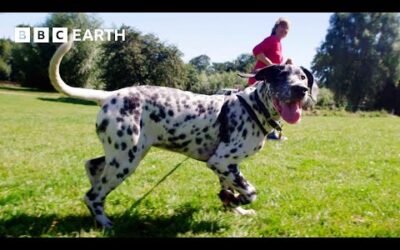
(303, 77)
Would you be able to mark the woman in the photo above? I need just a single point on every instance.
(269, 52)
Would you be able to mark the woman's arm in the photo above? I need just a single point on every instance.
(261, 57)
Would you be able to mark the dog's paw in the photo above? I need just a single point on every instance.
(104, 222)
(242, 211)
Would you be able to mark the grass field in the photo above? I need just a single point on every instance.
(334, 177)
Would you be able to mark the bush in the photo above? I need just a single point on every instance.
(5, 71)
(210, 83)
(30, 61)
(325, 98)
(141, 59)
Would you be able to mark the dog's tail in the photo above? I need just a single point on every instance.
(54, 73)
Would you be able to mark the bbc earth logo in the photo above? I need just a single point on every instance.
(60, 35)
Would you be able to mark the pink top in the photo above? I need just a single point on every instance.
(272, 49)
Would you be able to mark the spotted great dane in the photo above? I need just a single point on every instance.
(220, 130)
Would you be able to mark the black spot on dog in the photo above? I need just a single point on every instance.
(105, 108)
(239, 181)
(244, 133)
(126, 170)
(241, 126)
(224, 124)
(129, 131)
(199, 140)
(120, 176)
(182, 136)
(97, 161)
(233, 168)
(109, 140)
(114, 163)
(131, 103)
(189, 117)
(97, 204)
(155, 117)
(135, 129)
(131, 156)
(170, 112)
(113, 101)
(162, 112)
(120, 119)
(103, 126)
(116, 146)
(212, 167)
(233, 150)
(104, 180)
(93, 170)
(120, 133)
(181, 145)
(171, 131)
(123, 146)
(91, 195)
(201, 109)
(134, 149)
(122, 111)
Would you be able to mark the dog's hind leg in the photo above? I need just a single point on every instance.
(119, 164)
(94, 168)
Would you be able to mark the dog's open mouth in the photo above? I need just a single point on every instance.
(290, 111)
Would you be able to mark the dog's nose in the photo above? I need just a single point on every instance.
(299, 91)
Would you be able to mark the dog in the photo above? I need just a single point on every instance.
(220, 130)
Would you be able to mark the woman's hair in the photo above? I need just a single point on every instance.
(279, 22)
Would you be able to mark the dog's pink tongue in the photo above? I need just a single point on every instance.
(291, 112)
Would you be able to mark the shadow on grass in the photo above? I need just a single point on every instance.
(67, 100)
(125, 225)
(23, 89)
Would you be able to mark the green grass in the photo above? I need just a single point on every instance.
(335, 176)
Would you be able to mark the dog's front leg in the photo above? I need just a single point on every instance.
(232, 180)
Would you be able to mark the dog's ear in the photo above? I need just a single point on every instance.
(269, 73)
(309, 75)
(312, 85)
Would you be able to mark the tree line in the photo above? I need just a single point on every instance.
(359, 61)
(140, 59)
(357, 65)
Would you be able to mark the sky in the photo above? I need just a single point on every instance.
(221, 36)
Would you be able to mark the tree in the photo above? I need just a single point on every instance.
(245, 63)
(359, 57)
(30, 61)
(141, 59)
(202, 62)
(5, 59)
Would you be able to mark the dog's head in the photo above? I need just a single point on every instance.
(291, 88)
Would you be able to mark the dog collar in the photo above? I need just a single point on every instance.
(266, 113)
(253, 116)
